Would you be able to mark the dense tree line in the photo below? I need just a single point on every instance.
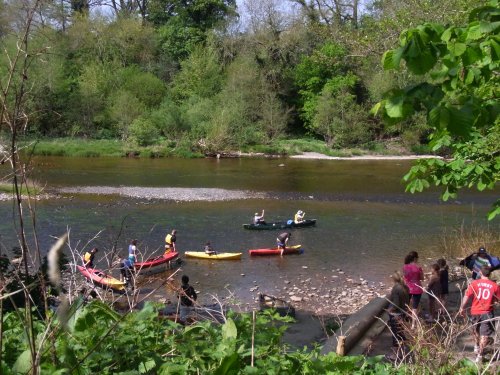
(207, 76)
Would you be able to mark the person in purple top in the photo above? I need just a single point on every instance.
(413, 276)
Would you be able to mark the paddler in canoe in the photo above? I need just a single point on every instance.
(259, 219)
(282, 241)
(299, 217)
(209, 249)
(170, 242)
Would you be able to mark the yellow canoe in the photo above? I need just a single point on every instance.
(218, 256)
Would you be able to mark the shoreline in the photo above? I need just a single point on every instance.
(319, 156)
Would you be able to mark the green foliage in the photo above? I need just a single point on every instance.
(330, 104)
(99, 340)
(184, 25)
(460, 100)
(143, 132)
(24, 190)
(316, 71)
(123, 109)
(145, 86)
(179, 68)
(78, 147)
(169, 120)
(339, 119)
(200, 76)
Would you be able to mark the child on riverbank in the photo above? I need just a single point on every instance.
(434, 291)
(444, 279)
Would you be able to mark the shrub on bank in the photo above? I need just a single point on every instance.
(96, 339)
(150, 145)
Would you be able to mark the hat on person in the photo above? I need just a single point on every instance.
(481, 250)
(256, 214)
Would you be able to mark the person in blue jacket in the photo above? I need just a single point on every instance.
(476, 260)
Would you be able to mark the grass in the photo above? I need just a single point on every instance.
(296, 146)
(80, 147)
(8, 188)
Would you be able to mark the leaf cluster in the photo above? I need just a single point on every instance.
(459, 96)
(96, 339)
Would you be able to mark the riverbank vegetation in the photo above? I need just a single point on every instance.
(169, 78)
(186, 75)
(120, 148)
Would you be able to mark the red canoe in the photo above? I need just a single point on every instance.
(156, 264)
(297, 249)
(100, 278)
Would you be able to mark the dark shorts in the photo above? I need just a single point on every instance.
(483, 324)
(415, 300)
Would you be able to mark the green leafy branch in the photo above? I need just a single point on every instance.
(460, 98)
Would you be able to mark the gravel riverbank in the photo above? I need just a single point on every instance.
(175, 194)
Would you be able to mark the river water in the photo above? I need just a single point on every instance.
(365, 222)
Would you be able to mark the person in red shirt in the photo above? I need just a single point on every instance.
(484, 293)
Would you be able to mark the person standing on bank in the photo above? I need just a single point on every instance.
(282, 241)
(444, 279)
(132, 251)
(478, 259)
(413, 276)
(433, 292)
(170, 242)
(484, 293)
(127, 271)
(187, 297)
(88, 258)
(398, 311)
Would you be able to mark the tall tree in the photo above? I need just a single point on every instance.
(183, 23)
(202, 14)
(330, 12)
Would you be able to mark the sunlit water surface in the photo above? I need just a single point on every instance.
(365, 221)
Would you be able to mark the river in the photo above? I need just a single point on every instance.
(365, 222)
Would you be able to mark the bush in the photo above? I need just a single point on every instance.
(142, 132)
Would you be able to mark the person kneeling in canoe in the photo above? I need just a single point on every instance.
(170, 242)
(209, 249)
(282, 241)
(299, 217)
(259, 219)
